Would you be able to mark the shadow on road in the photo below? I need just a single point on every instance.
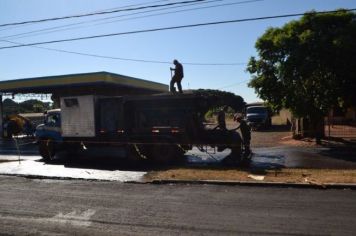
(106, 163)
(346, 153)
(337, 141)
(259, 163)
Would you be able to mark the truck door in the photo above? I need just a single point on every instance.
(110, 120)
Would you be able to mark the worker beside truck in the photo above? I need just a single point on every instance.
(245, 130)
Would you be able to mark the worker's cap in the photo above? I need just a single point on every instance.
(175, 61)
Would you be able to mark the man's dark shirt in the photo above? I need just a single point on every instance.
(178, 72)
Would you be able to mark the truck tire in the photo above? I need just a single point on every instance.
(46, 149)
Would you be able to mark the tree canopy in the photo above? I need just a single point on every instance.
(308, 65)
(28, 106)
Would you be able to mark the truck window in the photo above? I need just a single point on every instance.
(53, 120)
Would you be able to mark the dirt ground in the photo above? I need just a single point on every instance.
(307, 176)
(277, 136)
(270, 138)
(282, 136)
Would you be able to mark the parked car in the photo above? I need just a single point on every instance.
(258, 117)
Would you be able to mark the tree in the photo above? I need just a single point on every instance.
(28, 106)
(33, 105)
(308, 65)
(10, 107)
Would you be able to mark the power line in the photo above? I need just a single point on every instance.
(173, 28)
(60, 28)
(64, 27)
(172, 12)
(130, 59)
(131, 5)
(99, 13)
(114, 8)
(185, 10)
(234, 84)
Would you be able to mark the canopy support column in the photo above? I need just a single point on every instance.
(1, 117)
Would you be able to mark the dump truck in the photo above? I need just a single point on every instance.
(158, 127)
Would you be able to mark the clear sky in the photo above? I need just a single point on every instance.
(217, 44)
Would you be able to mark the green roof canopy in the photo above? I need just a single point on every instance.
(99, 83)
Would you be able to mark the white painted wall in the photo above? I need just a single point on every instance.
(78, 120)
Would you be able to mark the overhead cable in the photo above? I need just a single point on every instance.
(172, 28)
(131, 59)
(67, 26)
(99, 13)
(131, 5)
(234, 84)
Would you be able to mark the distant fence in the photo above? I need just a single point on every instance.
(340, 128)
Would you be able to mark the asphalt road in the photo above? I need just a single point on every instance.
(49, 207)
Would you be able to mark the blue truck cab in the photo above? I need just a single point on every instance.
(49, 134)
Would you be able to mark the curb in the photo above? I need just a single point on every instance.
(259, 184)
(204, 182)
(41, 177)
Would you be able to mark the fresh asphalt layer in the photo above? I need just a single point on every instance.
(25, 161)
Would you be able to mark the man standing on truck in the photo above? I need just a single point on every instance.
(245, 132)
(177, 77)
(221, 119)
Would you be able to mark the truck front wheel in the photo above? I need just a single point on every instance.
(46, 149)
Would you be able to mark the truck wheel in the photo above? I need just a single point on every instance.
(46, 149)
